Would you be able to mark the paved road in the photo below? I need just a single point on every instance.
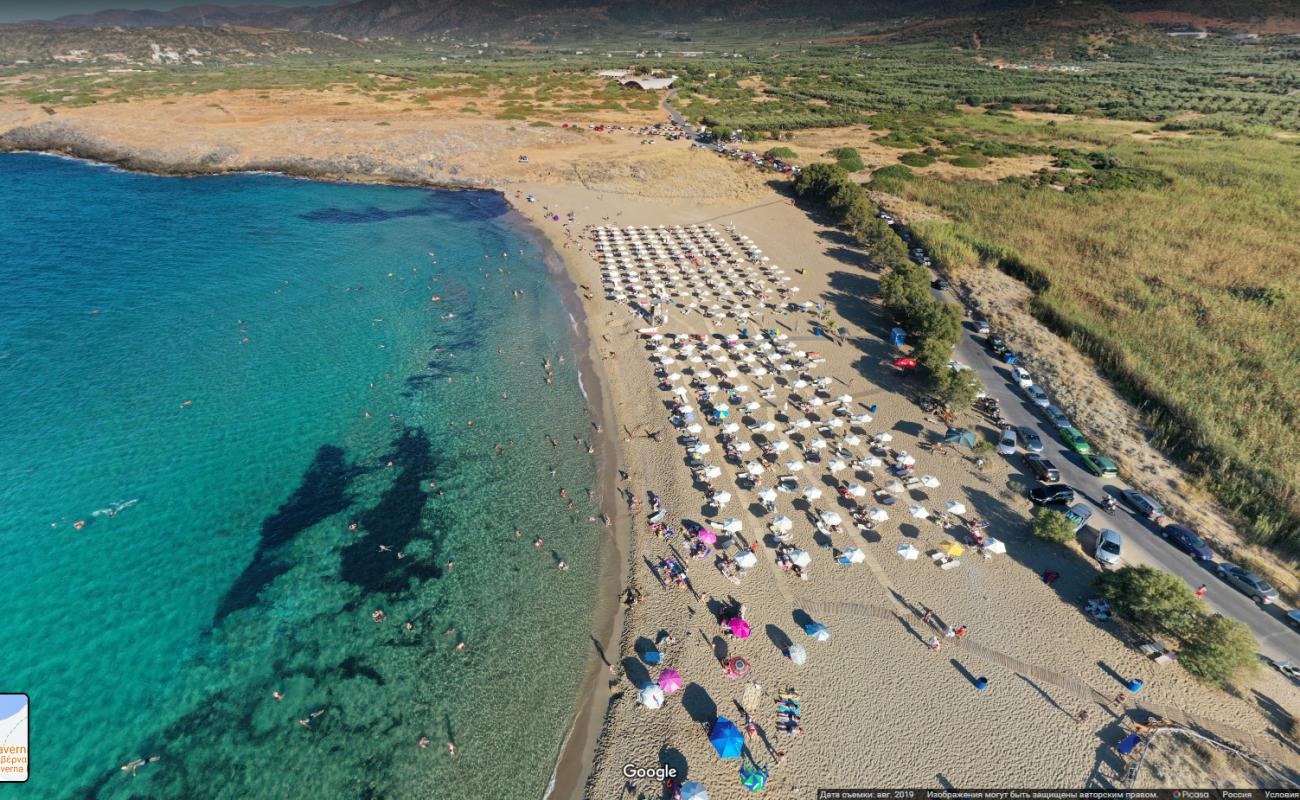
(1142, 543)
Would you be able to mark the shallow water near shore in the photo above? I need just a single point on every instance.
(234, 371)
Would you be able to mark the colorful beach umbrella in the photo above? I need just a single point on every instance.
(739, 627)
(726, 738)
(817, 631)
(651, 696)
(707, 536)
(670, 680)
(753, 778)
(694, 790)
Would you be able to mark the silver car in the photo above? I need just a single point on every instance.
(1057, 417)
(1248, 583)
(1007, 446)
(1038, 397)
(1110, 546)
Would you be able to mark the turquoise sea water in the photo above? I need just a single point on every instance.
(247, 366)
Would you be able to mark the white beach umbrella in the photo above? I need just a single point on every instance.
(860, 419)
(908, 552)
(883, 437)
(731, 427)
(694, 427)
(711, 471)
(651, 696)
(817, 401)
(918, 511)
(794, 466)
(836, 423)
(780, 446)
(845, 398)
(732, 525)
(906, 459)
(755, 468)
(872, 461)
(666, 360)
(878, 515)
(818, 444)
(854, 556)
(674, 376)
(752, 405)
(767, 495)
(836, 466)
(746, 560)
(800, 383)
(831, 517)
(803, 423)
(701, 448)
(956, 507)
(767, 427)
(852, 440)
(857, 490)
(894, 487)
(812, 493)
(781, 523)
(721, 498)
(992, 545)
(797, 654)
(929, 481)
(743, 447)
(800, 557)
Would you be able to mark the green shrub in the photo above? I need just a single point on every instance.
(969, 162)
(1053, 526)
(540, 123)
(782, 152)
(848, 158)
(1216, 648)
(916, 159)
(894, 174)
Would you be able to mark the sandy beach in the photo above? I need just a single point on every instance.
(879, 707)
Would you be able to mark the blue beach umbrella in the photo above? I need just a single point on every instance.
(818, 631)
(726, 738)
(652, 656)
(753, 778)
(694, 790)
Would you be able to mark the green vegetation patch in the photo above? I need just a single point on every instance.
(848, 158)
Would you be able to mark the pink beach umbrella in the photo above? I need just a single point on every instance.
(739, 627)
(670, 681)
(707, 536)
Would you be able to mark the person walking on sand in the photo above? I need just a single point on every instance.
(935, 644)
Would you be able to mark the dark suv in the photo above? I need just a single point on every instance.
(1056, 494)
(1042, 469)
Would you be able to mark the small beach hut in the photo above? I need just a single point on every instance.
(959, 436)
(726, 738)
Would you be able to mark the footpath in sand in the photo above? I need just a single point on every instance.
(878, 706)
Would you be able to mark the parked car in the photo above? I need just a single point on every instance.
(982, 327)
(1100, 466)
(1056, 494)
(1110, 546)
(1021, 377)
(1286, 668)
(1247, 582)
(1293, 619)
(1030, 440)
(1079, 514)
(1073, 439)
(1057, 417)
(1185, 539)
(1143, 504)
(1038, 397)
(938, 283)
(1007, 446)
(1009, 357)
(996, 343)
(1042, 469)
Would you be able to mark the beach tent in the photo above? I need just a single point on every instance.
(739, 627)
(797, 654)
(651, 696)
(908, 552)
(960, 436)
(817, 631)
(746, 560)
(753, 778)
(726, 738)
(670, 680)
(694, 790)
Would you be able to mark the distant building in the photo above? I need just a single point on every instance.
(613, 73)
(1190, 34)
(648, 84)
